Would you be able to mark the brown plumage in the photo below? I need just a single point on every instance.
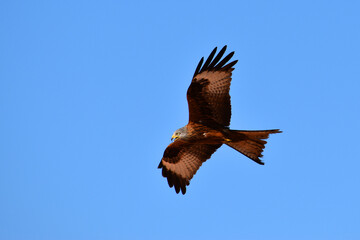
(208, 127)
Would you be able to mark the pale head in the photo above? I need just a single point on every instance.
(180, 133)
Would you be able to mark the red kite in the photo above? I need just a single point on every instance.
(208, 127)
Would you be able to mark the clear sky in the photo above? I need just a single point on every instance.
(91, 92)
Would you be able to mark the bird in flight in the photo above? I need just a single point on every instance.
(208, 127)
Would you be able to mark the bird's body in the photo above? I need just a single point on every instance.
(208, 128)
(208, 136)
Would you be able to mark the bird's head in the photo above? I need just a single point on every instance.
(181, 132)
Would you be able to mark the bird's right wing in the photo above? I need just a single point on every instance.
(181, 161)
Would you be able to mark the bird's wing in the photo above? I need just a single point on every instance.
(181, 160)
(208, 94)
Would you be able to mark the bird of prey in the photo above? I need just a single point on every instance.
(208, 127)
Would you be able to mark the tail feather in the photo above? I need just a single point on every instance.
(250, 143)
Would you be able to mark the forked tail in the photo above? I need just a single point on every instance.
(250, 143)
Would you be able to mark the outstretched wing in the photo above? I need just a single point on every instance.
(208, 95)
(181, 160)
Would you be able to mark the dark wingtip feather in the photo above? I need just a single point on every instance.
(212, 64)
(177, 186)
(257, 160)
(208, 60)
(230, 65)
(170, 183)
(199, 66)
(218, 57)
(183, 186)
(272, 131)
(224, 61)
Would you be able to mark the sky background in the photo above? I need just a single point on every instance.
(91, 92)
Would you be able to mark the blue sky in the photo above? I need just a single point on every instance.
(91, 92)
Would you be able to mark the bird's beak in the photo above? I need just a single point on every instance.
(173, 137)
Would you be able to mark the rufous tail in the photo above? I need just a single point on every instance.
(250, 143)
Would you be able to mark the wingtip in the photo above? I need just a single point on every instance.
(258, 160)
(199, 66)
(215, 63)
(223, 49)
(277, 131)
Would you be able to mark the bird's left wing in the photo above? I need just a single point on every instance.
(181, 160)
(208, 94)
